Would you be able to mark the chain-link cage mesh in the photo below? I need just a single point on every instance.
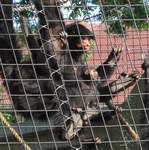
(74, 75)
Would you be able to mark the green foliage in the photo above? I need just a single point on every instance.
(88, 54)
(79, 9)
(119, 15)
(123, 14)
(26, 58)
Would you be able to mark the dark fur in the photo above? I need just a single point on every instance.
(144, 131)
(30, 87)
(74, 57)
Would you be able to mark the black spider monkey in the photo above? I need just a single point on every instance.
(31, 87)
(85, 93)
(144, 129)
(78, 33)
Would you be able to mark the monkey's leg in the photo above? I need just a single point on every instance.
(123, 82)
(105, 70)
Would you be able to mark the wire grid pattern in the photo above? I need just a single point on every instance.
(41, 135)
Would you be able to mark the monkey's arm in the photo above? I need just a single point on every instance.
(106, 70)
(103, 71)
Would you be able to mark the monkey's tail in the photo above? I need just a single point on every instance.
(123, 121)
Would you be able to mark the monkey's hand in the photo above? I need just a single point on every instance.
(74, 126)
(114, 57)
(63, 37)
(68, 126)
(92, 73)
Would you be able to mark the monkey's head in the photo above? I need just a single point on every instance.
(79, 38)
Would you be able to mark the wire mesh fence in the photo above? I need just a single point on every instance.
(74, 75)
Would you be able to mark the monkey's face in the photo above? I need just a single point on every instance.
(84, 44)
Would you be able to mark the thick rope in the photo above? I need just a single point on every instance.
(27, 7)
(14, 133)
